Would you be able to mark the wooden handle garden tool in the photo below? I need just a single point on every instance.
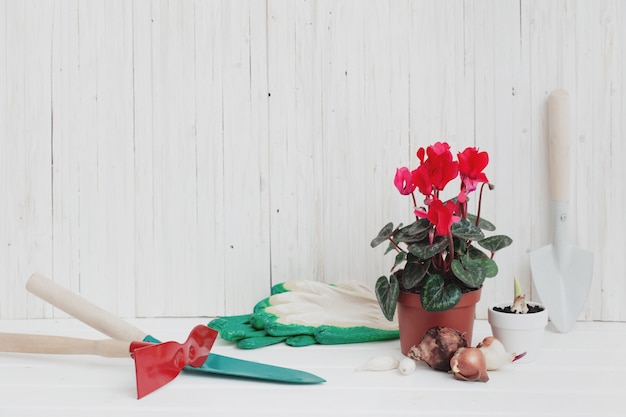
(562, 272)
(155, 364)
(116, 328)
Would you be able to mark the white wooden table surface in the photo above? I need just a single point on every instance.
(582, 373)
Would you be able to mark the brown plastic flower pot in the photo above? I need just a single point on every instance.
(414, 321)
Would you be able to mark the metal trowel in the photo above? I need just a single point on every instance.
(561, 272)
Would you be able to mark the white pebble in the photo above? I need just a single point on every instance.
(379, 363)
(406, 366)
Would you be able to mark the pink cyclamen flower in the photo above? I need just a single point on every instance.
(404, 181)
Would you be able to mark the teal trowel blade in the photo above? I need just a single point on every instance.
(224, 365)
(227, 366)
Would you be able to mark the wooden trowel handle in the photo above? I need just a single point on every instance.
(83, 310)
(558, 136)
(30, 343)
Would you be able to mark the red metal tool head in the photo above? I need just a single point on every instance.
(158, 364)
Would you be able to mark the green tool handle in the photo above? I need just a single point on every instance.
(30, 343)
(82, 309)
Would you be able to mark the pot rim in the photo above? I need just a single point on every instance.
(517, 321)
(468, 299)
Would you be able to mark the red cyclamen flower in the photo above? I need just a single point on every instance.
(404, 181)
(437, 170)
(471, 165)
(441, 215)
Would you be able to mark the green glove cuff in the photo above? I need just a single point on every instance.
(259, 342)
(300, 341)
(235, 328)
(331, 335)
(221, 322)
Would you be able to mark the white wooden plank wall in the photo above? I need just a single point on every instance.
(177, 158)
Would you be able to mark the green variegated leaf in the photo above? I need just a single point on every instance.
(391, 247)
(495, 243)
(413, 273)
(400, 257)
(460, 245)
(469, 271)
(387, 293)
(475, 253)
(383, 235)
(490, 266)
(437, 295)
(414, 232)
(466, 230)
(427, 251)
(482, 223)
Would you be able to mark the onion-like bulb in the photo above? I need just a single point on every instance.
(468, 364)
(496, 355)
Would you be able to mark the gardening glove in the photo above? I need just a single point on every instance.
(302, 313)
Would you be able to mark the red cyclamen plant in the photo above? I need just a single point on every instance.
(435, 256)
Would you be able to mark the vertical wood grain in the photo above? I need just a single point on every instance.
(587, 135)
(25, 149)
(149, 262)
(166, 157)
(295, 119)
(65, 105)
(618, 148)
(496, 59)
(93, 195)
(599, 151)
(245, 155)
(210, 269)
(172, 158)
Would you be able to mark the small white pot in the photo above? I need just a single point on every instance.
(519, 332)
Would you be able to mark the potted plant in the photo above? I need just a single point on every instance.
(443, 257)
(519, 325)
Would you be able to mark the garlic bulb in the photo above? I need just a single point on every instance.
(406, 366)
(495, 354)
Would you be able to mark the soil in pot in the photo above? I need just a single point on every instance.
(531, 309)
